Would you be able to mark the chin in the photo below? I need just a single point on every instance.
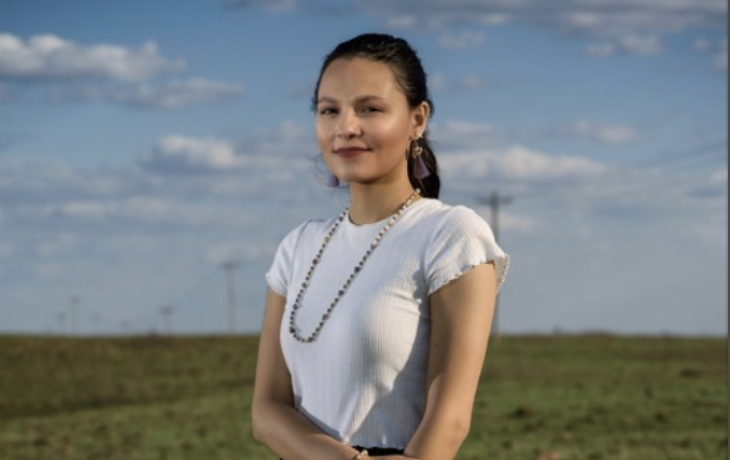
(351, 177)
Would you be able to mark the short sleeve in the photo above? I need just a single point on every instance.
(279, 275)
(461, 241)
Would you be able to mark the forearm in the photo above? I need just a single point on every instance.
(437, 439)
(294, 437)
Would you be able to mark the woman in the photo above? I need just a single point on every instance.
(376, 321)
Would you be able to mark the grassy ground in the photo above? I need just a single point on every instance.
(541, 398)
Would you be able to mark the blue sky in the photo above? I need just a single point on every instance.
(144, 144)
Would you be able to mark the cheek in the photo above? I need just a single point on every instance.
(393, 135)
(323, 133)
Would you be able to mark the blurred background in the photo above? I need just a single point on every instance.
(153, 154)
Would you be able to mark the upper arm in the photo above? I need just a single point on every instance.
(461, 318)
(273, 381)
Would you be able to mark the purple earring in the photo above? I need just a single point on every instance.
(420, 170)
(332, 180)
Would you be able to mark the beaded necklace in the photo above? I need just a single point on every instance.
(293, 329)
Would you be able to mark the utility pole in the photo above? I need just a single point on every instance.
(96, 320)
(62, 323)
(230, 268)
(495, 201)
(167, 311)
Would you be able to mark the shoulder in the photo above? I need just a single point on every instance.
(312, 226)
(305, 230)
(443, 217)
(460, 240)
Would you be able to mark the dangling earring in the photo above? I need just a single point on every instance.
(332, 180)
(420, 170)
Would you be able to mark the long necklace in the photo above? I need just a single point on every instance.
(293, 329)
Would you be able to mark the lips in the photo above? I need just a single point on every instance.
(349, 152)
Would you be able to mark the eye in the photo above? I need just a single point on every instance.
(372, 109)
(327, 111)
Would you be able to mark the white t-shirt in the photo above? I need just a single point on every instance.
(363, 380)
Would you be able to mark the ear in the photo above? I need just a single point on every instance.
(419, 118)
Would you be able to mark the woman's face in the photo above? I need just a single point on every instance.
(364, 123)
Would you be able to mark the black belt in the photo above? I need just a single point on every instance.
(378, 451)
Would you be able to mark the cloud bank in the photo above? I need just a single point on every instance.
(49, 57)
(75, 73)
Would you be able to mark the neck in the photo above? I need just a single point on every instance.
(374, 202)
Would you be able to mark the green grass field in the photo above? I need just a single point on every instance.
(590, 397)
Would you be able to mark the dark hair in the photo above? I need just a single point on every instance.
(409, 73)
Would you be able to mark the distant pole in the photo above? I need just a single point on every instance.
(96, 320)
(167, 311)
(230, 268)
(62, 323)
(495, 201)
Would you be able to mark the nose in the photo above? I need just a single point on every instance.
(349, 125)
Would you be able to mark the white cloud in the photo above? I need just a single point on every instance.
(718, 50)
(522, 163)
(588, 16)
(144, 209)
(468, 82)
(719, 176)
(642, 45)
(55, 244)
(403, 21)
(701, 44)
(510, 222)
(603, 132)
(517, 162)
(280, 155)
(168, 95)
(270, 6)
(138, 208)
(472, 81)
(466, 39)
(178, 153)
(459, 128)
(180, 94)
(437, 82)
(49, 57)
(104, 73)
(460, 134)
(627, 26)
(27, 184)
(302, 89)
(219, 253)
(647, 45)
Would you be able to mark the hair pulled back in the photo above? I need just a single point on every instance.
(408, 70)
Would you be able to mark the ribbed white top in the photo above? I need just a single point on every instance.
(363, 379)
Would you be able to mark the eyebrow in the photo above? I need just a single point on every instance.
(359, 99)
